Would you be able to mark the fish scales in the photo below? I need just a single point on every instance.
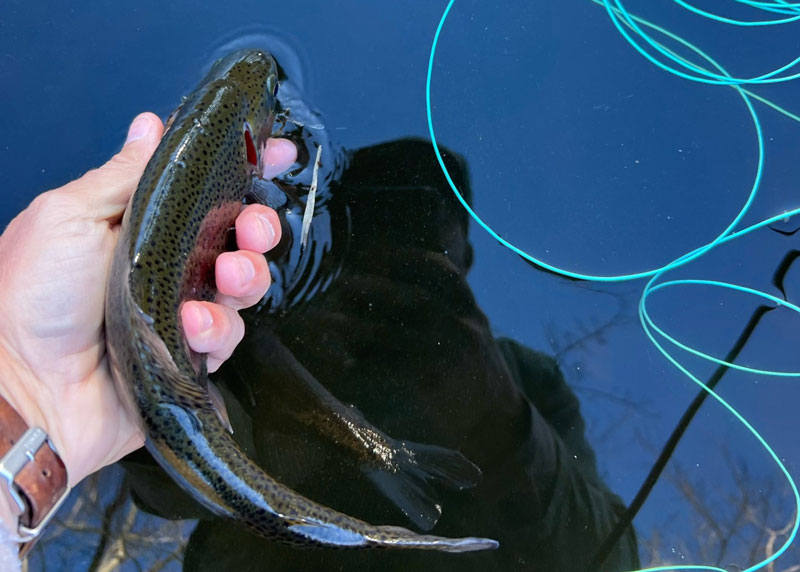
(174, 229)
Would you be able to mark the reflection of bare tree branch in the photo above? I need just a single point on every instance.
(636, 407)
(621, 421)
(693, 496)
(175, 556)
(101, 530)
(732, 524)
(568, 342)
(774, 535)
(117, 551)
(108, 516)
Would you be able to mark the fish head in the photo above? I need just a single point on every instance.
(255, 73)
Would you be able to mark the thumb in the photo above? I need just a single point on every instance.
(106, 190)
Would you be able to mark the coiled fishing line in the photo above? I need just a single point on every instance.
(618, 14)
(635, 32)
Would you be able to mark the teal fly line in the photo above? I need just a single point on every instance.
(636, 32)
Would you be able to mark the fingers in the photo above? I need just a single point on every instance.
(242, 279)
(213, 329)
(258, 228)
(106, 190)
(279, 154)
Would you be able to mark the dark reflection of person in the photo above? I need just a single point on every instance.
(397, 333)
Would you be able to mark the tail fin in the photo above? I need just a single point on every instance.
(398, 537)
(388, 537)
(416, 469)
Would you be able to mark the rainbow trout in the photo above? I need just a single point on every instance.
(174, 228)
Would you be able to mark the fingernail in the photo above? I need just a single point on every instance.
(247, 270)
(138, 129)
(266, 228)
(203, 316)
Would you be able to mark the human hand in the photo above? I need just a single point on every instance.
(55, 258)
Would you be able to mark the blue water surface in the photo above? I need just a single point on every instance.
(579, 151)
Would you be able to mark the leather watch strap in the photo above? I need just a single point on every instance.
(42, 482)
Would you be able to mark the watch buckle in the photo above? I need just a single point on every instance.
(20, 454)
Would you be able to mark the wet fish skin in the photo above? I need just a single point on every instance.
(172, 232)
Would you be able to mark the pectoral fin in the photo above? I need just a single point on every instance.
(268, 193)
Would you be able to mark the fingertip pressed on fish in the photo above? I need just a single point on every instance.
(207, 163)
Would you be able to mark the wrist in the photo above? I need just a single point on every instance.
(78, 409)
(33, 401)
(33, 477)
(27, 395)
